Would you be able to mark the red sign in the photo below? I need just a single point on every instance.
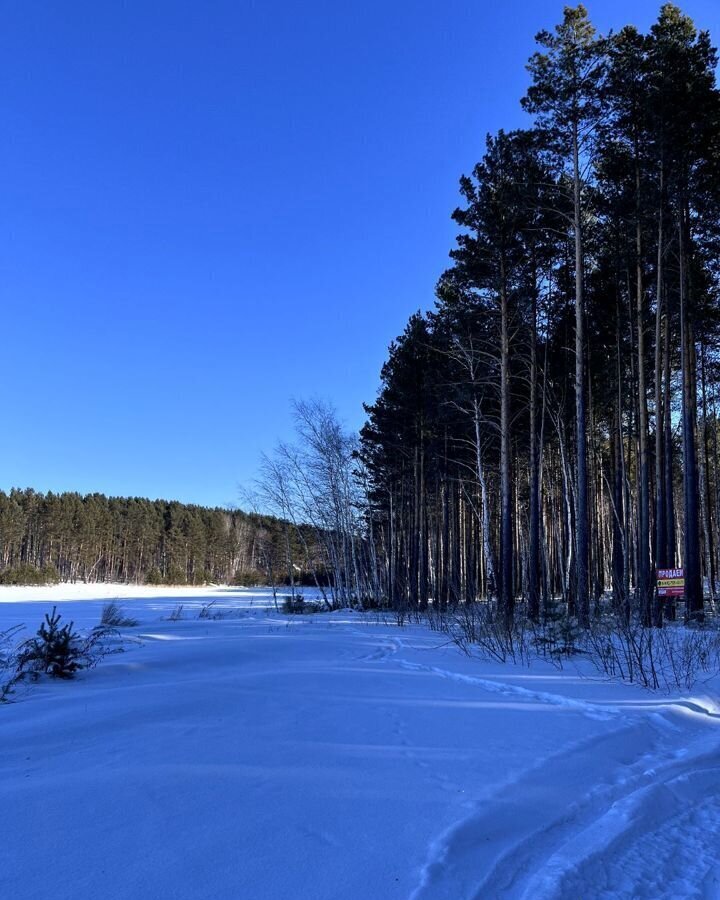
(670, 582)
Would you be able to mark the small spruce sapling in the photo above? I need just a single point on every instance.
(58, 651)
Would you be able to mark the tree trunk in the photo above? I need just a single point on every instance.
(691, 555)
(507, 597)
(534, 523)
(581, 498)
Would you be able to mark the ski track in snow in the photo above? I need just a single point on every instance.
(618, 839)
(604, 843)
(593, 711)
(650, 833)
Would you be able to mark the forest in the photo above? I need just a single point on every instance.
(546, 438)
(69, 537)
(549, 431)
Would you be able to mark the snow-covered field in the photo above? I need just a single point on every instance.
(336, 756)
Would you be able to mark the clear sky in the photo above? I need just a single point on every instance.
(210, 207)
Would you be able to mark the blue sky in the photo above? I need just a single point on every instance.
(207, 208)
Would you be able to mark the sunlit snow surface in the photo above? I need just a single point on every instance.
(339, 756)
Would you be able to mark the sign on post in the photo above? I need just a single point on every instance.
(670, 582)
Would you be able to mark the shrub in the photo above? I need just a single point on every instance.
(558, 634)
(27, 574)
(154, 576)
(8, 675)
(176, 575)
(671, 658)
(113, 617)
(484, 625)
(248, 579)
(294, 604)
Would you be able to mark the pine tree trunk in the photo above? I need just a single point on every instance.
(660, 412)
(706, 503)
(691, 555)
(534, 486)
(488, 556)
(581, 499)
(506, 515)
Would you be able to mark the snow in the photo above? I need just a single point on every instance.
(336, 755)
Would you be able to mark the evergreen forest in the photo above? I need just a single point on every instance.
(69, 537)
(549, 431)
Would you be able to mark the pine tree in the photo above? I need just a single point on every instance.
(566, 97)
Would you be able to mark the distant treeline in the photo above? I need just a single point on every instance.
(71, 537)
